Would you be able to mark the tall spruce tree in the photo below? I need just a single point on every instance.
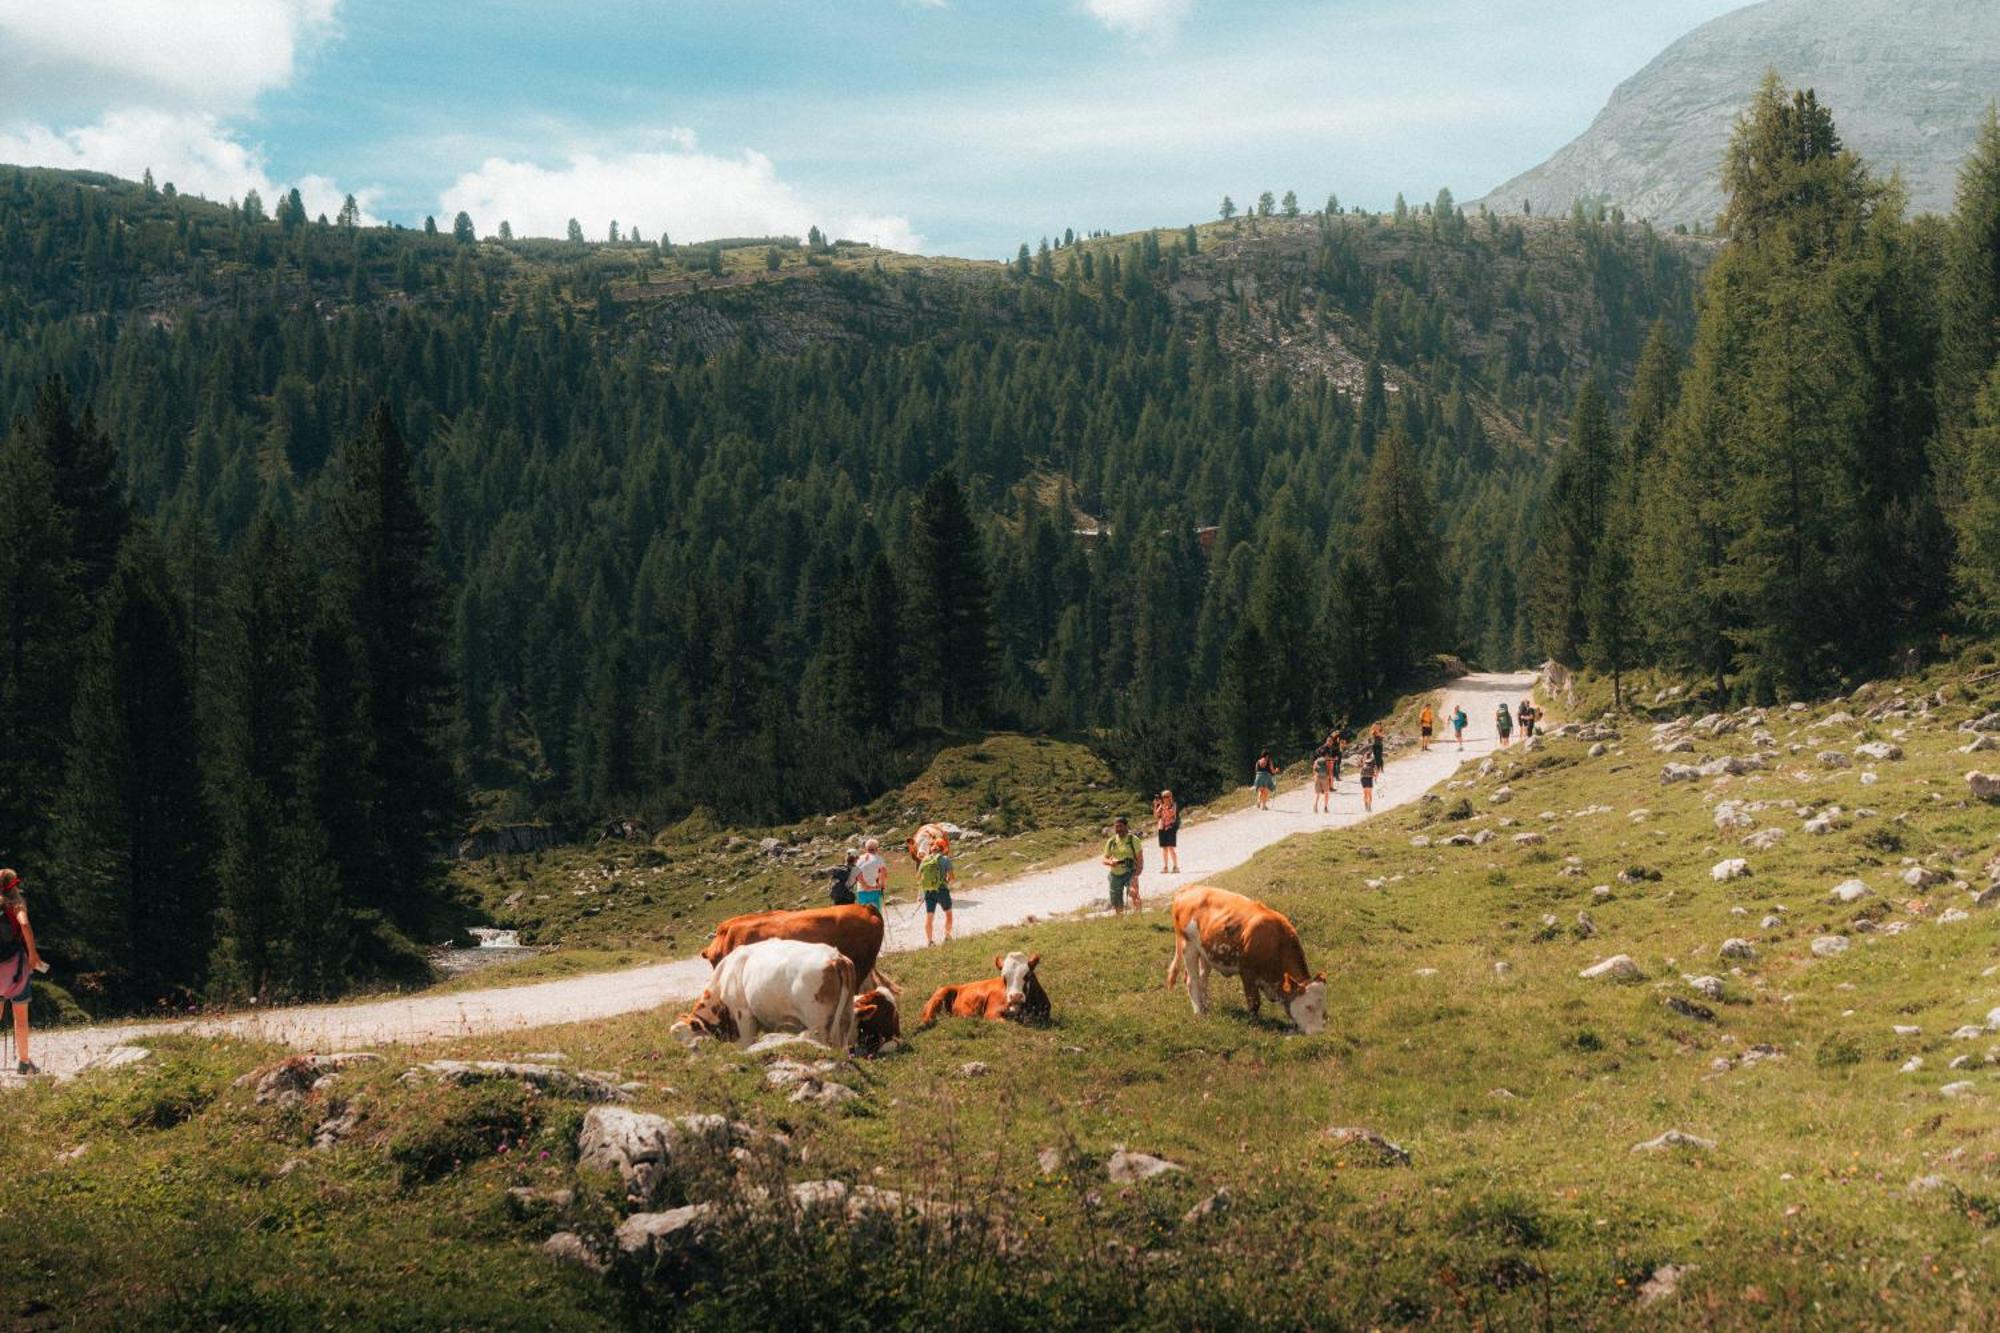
(42, 613)
(948, 620)
(282, 926)
(1766, 550)
(132, 832)
(1969, 293)
(1968, 351)
(386, 692)
(1398, 551)
(1573, 520)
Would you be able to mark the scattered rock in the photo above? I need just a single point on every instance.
(973, 1069)
(1951, 916)
(668, 1240)
(1664, 1284)
(1050, 1160)
(1673, 773)
(1980, 745)
(1907, 1030)
(1763, 840)
(1529, 839)
(1913, 1064)
(1732, 815)
(570, 1248)
(1849, 891)
(1214, 1204)
(551, 1079)
(1367, 1143)
(1970, 1032)
(641, 1148)
(1689, 1009)
(328, 1133)
(1738, 949)
(1880, 752)
(1984, 786)
(1829, 946)
(1484, 836)
(1675, 1138)
(1734, 868)
(1834, 759)
(1618, 967)
(1502, 796)
(1958, 1089)
(1923, 877)
(776, 1041)
(1710, 987)
(1129, 1168)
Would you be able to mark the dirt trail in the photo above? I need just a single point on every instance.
(1207, 848)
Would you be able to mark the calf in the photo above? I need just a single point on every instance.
(876, 1021)
(777, 986)
(1015, 994)
(1241, 937)
(854, 930)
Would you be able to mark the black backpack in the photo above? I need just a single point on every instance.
(11, 942)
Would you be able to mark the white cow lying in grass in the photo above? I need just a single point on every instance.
(777, 986)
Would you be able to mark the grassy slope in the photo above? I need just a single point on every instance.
(1523, 1206)
(1033, 801)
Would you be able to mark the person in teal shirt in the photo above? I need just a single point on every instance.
(936, 876)
(1124, 857)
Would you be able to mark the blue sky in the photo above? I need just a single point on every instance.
(952, 126)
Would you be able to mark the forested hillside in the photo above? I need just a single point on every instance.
(322, 538)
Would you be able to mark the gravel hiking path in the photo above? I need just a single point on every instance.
(1208, 847)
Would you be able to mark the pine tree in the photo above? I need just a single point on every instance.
(1573, 521)
(949, 617)
(387, 695)
(1284, 607)
(42, 612)
(132, 832)
(1969, 298)
(461, 229)
(282, 929)
(1979, 511)
(1248, 698)
(1398, 549)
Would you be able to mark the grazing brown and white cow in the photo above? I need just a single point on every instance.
(876, 1020)
(1241, 937)
(1015, 994)
(777, 986)
(854, 930)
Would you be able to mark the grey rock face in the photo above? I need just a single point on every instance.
(1908, 81)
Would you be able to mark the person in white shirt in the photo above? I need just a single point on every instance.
(871, 875)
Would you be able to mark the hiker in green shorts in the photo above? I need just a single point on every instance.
(936, 876)
(1124, 857)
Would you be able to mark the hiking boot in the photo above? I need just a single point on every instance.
(27, 1067)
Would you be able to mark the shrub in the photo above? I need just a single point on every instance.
(476, 1122)
(1176, 752)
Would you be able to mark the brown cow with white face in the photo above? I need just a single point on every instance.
(1016, 994)
(1240, 937)
(876, 1021)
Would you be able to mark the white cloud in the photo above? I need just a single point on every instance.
(128, 86)
(194, 151)
(689, 194)
(208, 55)
(1145, 20)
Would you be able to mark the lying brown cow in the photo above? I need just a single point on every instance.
(854, 930)
(876, 1021)
(1015, 994)
(1241, 937)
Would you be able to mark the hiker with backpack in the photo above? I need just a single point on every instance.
(1527, 715)
(840, 887)
(1323, 782)
(1265, 779)
(936, 876)
(1503, 722)
(1458, 723)
(19, 961)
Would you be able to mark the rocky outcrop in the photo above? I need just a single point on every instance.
(1908, 81)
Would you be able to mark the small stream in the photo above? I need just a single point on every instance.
(493, 947)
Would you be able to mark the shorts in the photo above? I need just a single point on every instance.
(936, 898)
(869, 898)
(1170, 836)
(1368, 782)
(1322, 784)
(1427, 733)
(1121, 880)
(14, 978)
